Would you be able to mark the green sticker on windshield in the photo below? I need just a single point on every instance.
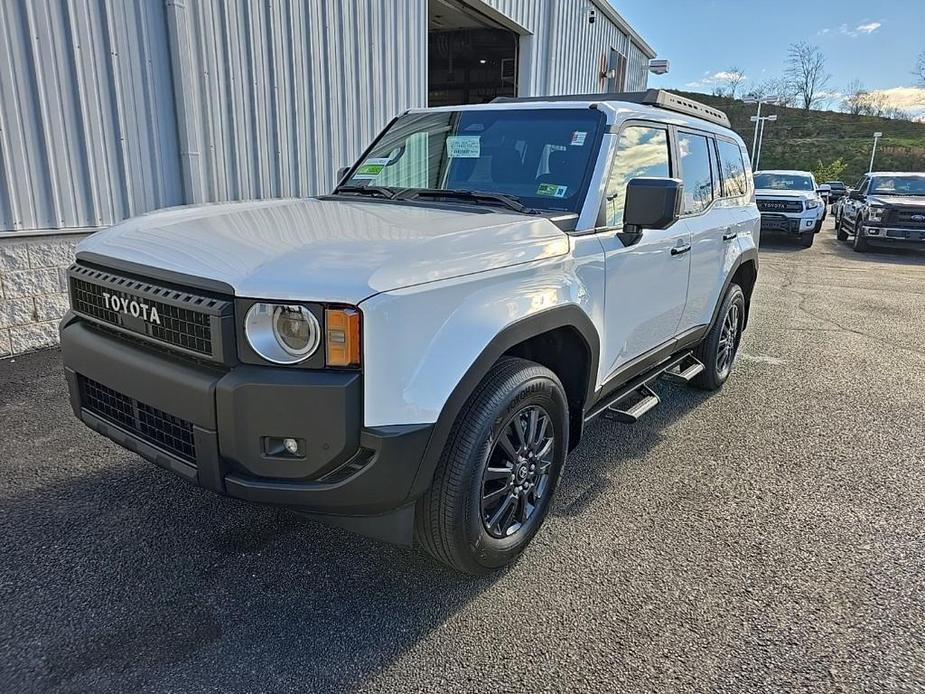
(551, 190)
(369, 170)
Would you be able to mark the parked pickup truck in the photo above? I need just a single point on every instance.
(885, 209)
(790, 202)
(414, 355)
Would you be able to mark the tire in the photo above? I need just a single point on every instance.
(860, 243)
(817, 227)
(840, 232)
(807, 238)
(714, 374)
(469, 488)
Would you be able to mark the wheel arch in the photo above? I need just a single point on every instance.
(542, 337)
(745, 274)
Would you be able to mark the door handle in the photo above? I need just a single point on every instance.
(680, 250)
(728, 235)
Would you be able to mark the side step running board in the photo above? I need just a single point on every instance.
(630, 401)
(633, 405)
(684, 371)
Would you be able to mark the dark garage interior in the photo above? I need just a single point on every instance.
(471, 59)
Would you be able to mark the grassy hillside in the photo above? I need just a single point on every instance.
(800, 139)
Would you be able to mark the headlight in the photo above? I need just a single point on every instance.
(875, 213)
(812, 204)
(281, 333)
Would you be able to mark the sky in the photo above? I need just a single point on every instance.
(874, 42)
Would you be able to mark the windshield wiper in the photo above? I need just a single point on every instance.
(476, 196)
(366, 190)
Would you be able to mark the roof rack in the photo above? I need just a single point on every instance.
(651, 97)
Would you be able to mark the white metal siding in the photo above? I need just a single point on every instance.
(87, 129)
(567, 50)
(275, 96)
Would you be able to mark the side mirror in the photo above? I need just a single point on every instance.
(342, 173)
(652, 203)
(855, 195)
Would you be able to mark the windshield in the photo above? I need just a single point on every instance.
(897, 185)
(783, 182)
(539, 157)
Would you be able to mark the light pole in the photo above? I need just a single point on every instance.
(873, 153)
(759, 133)
(756, 119)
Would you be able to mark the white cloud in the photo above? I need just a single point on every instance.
(909, 99)
(866, 28)
(710, 80)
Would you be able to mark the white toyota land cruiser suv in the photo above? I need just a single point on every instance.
(790, 201)
(414, 355)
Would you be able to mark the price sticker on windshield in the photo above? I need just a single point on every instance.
(371, 168)
(464, 146)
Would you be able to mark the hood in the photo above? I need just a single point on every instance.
(898, 200)
(326, 250)
(785, 194)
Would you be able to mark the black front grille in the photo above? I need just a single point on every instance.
(150, 424)
(168, 316)
(904, 218)
(780, 205)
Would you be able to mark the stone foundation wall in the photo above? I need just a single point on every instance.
(33, 290)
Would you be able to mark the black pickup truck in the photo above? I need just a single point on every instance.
(885, 208)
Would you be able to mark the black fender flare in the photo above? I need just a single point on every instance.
(567, 316)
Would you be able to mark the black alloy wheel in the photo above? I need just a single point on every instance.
(516, 475)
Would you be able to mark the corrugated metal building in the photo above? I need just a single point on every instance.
(112, 108)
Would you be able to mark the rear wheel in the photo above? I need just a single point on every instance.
(718, 349)
(499, 470)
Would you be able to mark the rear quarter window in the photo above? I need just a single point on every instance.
(732, 169)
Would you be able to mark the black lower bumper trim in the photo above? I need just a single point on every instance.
(345, 470)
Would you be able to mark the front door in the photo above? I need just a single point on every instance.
(646, 278)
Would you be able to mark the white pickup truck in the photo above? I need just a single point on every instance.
(790, 201)
(414, 355)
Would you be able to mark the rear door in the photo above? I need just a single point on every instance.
(709, 221)
(646, 275)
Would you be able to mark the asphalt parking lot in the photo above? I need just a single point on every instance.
(769, 537)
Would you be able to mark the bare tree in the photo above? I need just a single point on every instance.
(873, 104)
(920, 68)
(730, 80)
(773, 86)
(854, 98)
(806, 73)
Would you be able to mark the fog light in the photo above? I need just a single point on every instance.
(872, 231)
(291, 446)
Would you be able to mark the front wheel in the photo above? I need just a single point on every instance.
(499, 469)
(718, 349)
(807, 238)
(860, 242)
(840, 232)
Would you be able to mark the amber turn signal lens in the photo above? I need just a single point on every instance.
(342, 336)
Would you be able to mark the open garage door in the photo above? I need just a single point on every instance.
(471, 59)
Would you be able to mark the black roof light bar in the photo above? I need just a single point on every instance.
(651, 97)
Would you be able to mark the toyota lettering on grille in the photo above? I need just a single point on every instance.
(775, 205)
(133, 307)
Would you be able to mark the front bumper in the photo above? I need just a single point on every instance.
(893, 235)
(213, 426)
(791, 224)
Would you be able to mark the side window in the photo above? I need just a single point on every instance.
(864, 185)
(733, 169)
(642, 151)
(695, 172)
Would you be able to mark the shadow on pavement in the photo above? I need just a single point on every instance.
(117, 576)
